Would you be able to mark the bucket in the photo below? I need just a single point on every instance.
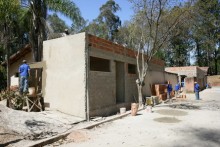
(122, 110)
(156, 100)
(149, 101)
(134, 108)
(149, 109)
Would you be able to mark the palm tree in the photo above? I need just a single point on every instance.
(37, 12)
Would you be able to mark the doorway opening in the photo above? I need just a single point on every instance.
(120, 82)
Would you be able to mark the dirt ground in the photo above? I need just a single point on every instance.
(19, 128)
(186, 122)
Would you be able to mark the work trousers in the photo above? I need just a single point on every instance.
(23, 84)
(197, 95)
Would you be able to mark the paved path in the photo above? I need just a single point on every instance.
(166, 126)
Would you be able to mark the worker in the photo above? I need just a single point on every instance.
(24, 72)
(169, 90)
(197, 89)
(177, 89)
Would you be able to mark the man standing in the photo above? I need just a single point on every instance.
(177, 89)
(169, 90)
(196, 89)
(24, 72)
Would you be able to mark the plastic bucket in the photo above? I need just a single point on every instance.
(122, 110)
(149, 109)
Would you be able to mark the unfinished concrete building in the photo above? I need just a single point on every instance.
(88, 76)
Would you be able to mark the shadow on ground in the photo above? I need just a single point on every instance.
(201, 137)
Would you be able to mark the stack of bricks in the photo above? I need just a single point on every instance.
(160, 90)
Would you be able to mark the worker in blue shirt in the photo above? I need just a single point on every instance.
(169, 90)
(177, 89)
(196, 89)
(24, 72)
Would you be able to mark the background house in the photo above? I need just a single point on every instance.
(189, 74)
(15, 61)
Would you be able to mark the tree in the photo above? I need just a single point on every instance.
(151, 29)
(97, 29)
(38, 10)
(78, 27)
(108, 17)
(57, 25)
(205, 33)
(8, 15)
(179, 44)
(106, 25)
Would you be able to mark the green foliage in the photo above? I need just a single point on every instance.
(66, 7)
(108, 17)
(37, 26)
(57, 24)
(3, 78)
(107, 24)
(97, 29)
(8, 8)
(205, 33)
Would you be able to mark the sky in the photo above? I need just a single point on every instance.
(90, 9)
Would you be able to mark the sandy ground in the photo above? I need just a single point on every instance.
(183, 123)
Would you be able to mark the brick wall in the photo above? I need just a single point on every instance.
(214, 80)
(189, 84)
(109, 46)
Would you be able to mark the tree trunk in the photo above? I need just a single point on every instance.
(6, 35)
(140, 95)
(216, 62)
(8, 65)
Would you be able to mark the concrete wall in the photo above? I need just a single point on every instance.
(173, 78)
(102, 85)
(65, 71)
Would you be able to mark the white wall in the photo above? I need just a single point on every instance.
(65, 85)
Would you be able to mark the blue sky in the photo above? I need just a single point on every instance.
(90, 9)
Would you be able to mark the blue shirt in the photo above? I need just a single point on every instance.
(169, 88)
(23, 70)
(196, 88)
(177, 87)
